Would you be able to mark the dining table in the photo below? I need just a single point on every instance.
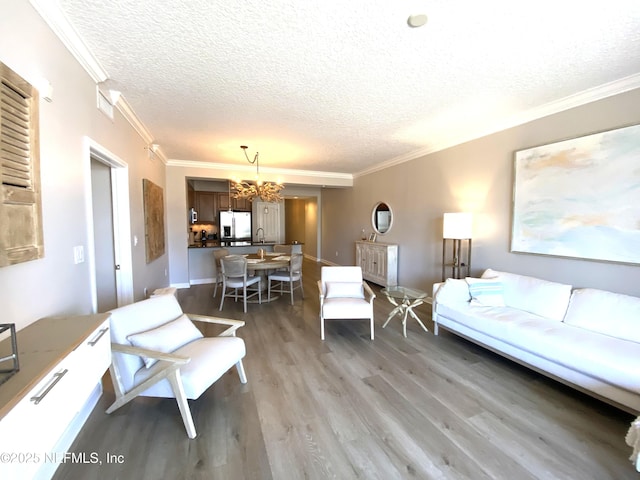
(263, 264)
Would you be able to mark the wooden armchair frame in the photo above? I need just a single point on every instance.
(168, 366)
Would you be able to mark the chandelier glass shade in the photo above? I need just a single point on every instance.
(265, 191)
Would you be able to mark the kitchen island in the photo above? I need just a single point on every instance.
(201, 258)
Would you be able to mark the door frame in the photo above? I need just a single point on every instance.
(121, 222)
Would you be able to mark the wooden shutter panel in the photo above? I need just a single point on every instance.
(20, 204)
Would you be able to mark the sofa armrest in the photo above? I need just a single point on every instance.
(436, 287)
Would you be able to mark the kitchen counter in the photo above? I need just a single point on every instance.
(202, 261)
(239, 243)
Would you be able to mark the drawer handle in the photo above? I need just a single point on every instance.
(58, 376)
(97, 339)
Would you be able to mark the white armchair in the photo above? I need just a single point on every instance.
(158, 352)
(344, 295)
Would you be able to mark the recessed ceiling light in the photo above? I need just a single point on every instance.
(417, 20)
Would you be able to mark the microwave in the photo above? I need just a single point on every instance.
(193, 215)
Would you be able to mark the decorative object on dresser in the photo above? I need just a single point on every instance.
(457, 227)
(44, 405)
(159, 352)
(379, 262)
(344, 295)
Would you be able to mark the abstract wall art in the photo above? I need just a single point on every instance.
(580, 198)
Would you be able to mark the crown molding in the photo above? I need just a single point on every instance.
(51, 13)
(289, 175)
(590, 95)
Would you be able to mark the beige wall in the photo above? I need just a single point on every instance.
(55, 285)
(477, 177)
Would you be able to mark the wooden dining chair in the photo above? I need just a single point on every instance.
(286, 280)
(217, 255)
(235, 280)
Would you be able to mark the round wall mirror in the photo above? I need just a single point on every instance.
(381, 218)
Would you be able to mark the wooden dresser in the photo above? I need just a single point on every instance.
(379, 262)
(62, 360)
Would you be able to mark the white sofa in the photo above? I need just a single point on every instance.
(587, 338)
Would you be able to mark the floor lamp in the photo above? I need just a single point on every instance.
(457, 228)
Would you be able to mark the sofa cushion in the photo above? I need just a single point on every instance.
(486, 291)
(540, 297)
(604, 312)
(453, 291)
(166, 338)
(347, 308)
(609, 359)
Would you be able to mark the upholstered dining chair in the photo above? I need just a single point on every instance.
(217, 255)
(344, 295)
(235, 280)
(157, 351)
(285, 281)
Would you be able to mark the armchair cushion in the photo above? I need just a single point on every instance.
(215, 354)
(347, 308)
(344, 290)
(166, 338)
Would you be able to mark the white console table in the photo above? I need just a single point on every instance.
(44, 405)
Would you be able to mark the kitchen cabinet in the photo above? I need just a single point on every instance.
(43, 405)
(207, 206)
(241, 204)
(379, 262)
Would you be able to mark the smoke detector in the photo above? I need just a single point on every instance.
(417, 20)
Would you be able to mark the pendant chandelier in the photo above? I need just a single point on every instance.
(265, 191)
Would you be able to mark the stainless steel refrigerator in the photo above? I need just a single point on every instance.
(235, 226)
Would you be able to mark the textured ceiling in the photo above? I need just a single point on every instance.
(345, 86)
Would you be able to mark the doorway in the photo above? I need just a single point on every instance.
(103, 244)
(109, 231)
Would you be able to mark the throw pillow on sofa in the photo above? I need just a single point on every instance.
(534, 295)
(452, 290)
(486, 291)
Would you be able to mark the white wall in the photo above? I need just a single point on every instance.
(55, 285)
(476, 176)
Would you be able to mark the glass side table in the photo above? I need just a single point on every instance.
(405, 300)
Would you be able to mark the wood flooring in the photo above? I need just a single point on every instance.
(420, 407)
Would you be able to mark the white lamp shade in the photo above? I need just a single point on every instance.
(457, 225)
